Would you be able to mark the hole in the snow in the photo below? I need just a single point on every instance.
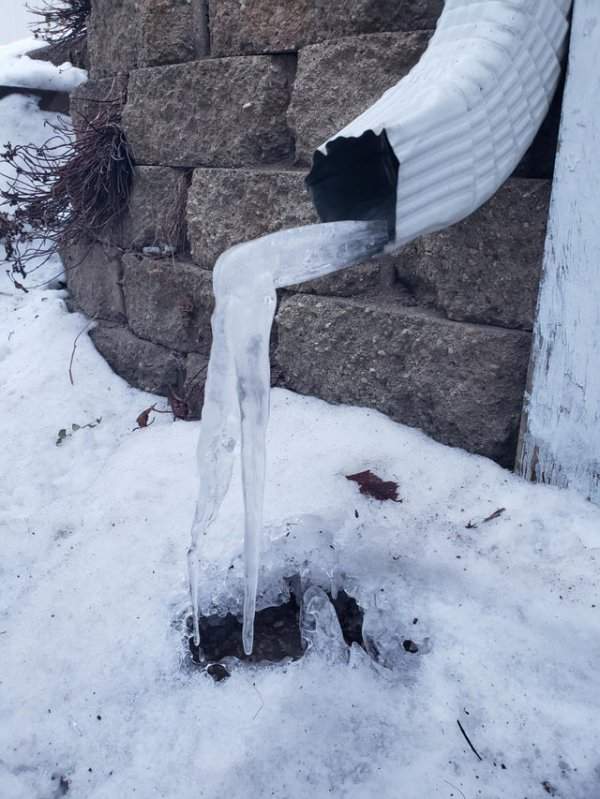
(350, 616)
(277, 635)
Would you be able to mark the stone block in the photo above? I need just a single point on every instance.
(143, 364)
(168, 302)
(487, 268)
(229, 206)
(462, 384)
(218, 112)
(191, 391)
(272, 26)
(113, 36)
(125, 34)
(156, 213)
(75, 53)
(172, 31)
(372, 278)
(336, 81)
(93, 273)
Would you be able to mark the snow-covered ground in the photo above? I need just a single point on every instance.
(18, 70)
(96, 699)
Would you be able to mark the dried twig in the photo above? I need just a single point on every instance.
(262, 701)
(455, 788)
(66, 191)
(495, 515)
(77, 337)
(468, 740)
(61, 22)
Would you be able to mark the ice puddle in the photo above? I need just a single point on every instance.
(236, 400)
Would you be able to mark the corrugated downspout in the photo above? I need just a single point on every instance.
(442, 141)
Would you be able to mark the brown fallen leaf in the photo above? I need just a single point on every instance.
(372, 486)
(143, 419)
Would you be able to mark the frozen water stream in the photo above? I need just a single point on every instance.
(236, 401)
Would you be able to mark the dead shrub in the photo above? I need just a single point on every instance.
(66, 191)
(61, 22)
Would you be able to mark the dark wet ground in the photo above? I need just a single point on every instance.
(276, 634)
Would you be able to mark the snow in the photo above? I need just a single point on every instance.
(22, 122)
(18, 70)
(94, 684)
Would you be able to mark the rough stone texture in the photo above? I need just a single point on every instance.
(93, 96)
(462, 384)
(265, 201)
(373, 278)
(58, 102)
(172, 31)
(75, 53)
(228, 206)
(487, 268)
(192, 391)
(125, 34)
(143, 364)
(156, 213)
(169, 302)
(263, 26)
(216, 112)
(336, 81)
(113, 36)
(93, 274)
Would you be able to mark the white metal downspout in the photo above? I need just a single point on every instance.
(462, 119)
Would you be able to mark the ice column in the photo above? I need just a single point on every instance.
(236, 401)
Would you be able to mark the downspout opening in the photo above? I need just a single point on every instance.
(356, 180)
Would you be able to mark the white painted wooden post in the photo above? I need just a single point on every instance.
(560, 441)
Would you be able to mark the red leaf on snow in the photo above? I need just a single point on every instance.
(372, 486)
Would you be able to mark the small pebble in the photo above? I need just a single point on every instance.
(218, 672)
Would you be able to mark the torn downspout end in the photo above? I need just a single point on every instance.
(356, 180)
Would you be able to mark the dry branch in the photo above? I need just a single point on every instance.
(61, 22)
(66, 191)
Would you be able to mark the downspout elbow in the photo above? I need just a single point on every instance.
(442, 141)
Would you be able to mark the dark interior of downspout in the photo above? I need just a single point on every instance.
(356, 180)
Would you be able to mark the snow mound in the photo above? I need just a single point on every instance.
(19, 71)
(97, 696)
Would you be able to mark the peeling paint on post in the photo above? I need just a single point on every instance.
(560, 440)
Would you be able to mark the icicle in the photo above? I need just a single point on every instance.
(320, 627)
(383, 640)
(236, 401)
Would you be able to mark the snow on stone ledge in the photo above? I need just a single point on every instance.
(18, 70)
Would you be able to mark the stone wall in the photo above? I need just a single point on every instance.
(224, 102)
